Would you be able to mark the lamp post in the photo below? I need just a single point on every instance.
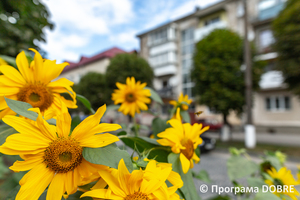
(250, 138)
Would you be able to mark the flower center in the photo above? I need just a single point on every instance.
(137, 196)
(130, 97)
(188, 152)
(37, 94)
(63, 155)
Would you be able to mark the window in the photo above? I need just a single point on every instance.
(265, 38)
(187, 50)
(159, 59)
(278, 103)
(212, 21)
(158, 36)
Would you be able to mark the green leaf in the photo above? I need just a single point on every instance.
(221, 198)
(274, 161)
(188, 189)
(236, 163)
(109, 156)
(12, 195)
(159, 125)
(185, 116)
(155, 96)
(21, 108)
(142, 144)
(85, 102)
(202, 175)
(255, 182)
(266, 195)
(5, 131)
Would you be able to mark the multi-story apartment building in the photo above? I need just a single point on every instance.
(276, 108)
(169, 49)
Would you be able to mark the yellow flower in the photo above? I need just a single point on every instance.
(2, 62)
(53, 155)
(182, 103)
(132, 96)
(183, 139)
(283, 177)
(32, 84)
(149, 184)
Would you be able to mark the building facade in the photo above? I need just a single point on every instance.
(169, 49)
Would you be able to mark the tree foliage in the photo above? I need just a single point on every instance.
(127, 65)
(93, 87)
(22, 22)
(217, 72)
(286, 28)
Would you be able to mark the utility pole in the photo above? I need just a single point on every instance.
(250, 139)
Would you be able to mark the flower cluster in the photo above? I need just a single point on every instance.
(60, 158)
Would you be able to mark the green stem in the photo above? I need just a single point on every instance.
(136, 133)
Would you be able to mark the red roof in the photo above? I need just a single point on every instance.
(85, 60)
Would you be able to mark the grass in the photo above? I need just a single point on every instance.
(292, 152)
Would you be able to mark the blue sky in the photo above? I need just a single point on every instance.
(88, 27)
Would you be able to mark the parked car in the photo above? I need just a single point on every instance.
(214, 125)
(207, 145)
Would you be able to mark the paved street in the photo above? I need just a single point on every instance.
(214, 163)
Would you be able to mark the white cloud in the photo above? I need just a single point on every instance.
(76, 21)
(126, 39)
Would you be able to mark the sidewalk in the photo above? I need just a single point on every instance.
(281, 139)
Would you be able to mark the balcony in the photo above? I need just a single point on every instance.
(202, 32)
(166, 92)
(165, 70)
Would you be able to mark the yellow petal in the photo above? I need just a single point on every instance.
(23, 67)
(89, 123)
(112, 182)
(22, 125)
(123, 176)
(185, 163)
(6, 91)
(12, 74)
(32, 186)
(56, 188)
(5, 112)
(53, 70)
(101, 193)
(38, 66)
(96, 141)
(28, 164)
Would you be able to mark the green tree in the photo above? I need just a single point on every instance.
(127, 65)
(93, 87)
(22, 22)
(286, 28)
(217, 72)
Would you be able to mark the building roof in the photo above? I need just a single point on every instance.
(86, 60)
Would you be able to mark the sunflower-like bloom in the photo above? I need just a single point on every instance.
(283, 177)
(32, 84)
(148, 184)
(132, 96)
(182, 103)
(53, 155)
(183, 139)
